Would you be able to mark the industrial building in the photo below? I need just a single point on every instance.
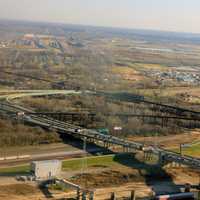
(46, 169)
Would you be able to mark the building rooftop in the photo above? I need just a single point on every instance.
(46, 161)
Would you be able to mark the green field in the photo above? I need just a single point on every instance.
(76, 164)
(194, 150)
(12, 171)
(72, 164)
(114, 160)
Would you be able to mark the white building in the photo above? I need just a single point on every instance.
(46, 169)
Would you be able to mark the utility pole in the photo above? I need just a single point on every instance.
(181, 152)
(133, 197)
(84, 159)
(198, 196)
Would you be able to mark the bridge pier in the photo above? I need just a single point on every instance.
(175, 165)
(91, 195)
(161, 159)
(91, 140)
(112, 197)
(106, 145)
(84, 197)
(78, 194)
(148, 156)
(124, 149)
(133, 196)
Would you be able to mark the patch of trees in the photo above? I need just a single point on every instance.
(106, 114)
(12, 134)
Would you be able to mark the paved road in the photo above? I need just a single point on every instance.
(79, 132)
(62, 155)
(21, 94)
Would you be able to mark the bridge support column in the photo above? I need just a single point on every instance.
(106, 145)
(133, 196)
(112, 197)
(96, 142)
(161, 159)
(78, 194)
(147, 156)
(91, 195)
(84, 195)
(124, 149)
(175, 164)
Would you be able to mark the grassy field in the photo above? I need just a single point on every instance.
(194, 150)
(72, 164)
(12, 171)
(76, 164)
(113, 161)
(127, 73)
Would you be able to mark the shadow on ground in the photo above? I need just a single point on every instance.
(154, 176)
(45, 191)
(90, 147)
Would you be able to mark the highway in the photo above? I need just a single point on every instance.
(39, 93)
(79, 132)
(61, 155)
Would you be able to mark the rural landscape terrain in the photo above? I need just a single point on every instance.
(119, 108)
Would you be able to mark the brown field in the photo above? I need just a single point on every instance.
(127, 73)
(171, 141)
(119, 179)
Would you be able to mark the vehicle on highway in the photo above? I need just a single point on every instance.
(77, 130)
(19, 114)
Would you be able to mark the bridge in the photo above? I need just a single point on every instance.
(94, 136)
(85, 117)
(155, 106)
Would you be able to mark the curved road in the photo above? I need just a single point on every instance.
(10, 95)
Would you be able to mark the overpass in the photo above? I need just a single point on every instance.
(82, 118)
(94, 136)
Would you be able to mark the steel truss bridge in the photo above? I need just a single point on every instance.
(85, 117)
(94, 136)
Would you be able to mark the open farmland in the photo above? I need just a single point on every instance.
(73, 92)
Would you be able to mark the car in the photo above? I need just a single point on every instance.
(77, 130)
(21, 178)
(20, 114)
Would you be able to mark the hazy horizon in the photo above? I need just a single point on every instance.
(171, 15)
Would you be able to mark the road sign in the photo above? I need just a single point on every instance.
(117, 128)
(104, 131)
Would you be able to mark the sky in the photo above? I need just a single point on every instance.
(170, 15)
